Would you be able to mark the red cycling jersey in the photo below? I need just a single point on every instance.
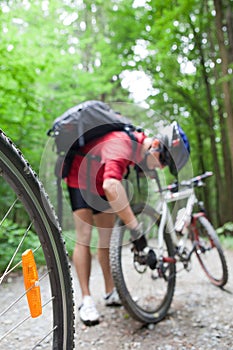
(109, 157)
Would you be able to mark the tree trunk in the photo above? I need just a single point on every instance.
(219, 193)
(228, 188)
(224, 65)
(229, 18)
(224, 146)
(213, 215)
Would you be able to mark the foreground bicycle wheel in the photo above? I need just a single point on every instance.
(209, 252)
(39, 232)
(144, 293)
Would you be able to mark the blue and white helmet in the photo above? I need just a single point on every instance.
(174, 147)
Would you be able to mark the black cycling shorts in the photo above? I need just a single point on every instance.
(82, 199)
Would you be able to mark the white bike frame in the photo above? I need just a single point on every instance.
(166, 221)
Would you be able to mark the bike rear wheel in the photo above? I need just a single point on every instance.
(29, 222)
(144, 293)
(209, 252)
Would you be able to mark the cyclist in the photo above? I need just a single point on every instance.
(97, 195)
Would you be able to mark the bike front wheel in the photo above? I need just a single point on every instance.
(28, 223)
(209, 252)
(146, 294)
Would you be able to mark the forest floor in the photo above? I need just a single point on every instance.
(200, 317)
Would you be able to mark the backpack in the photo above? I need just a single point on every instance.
(78, 126)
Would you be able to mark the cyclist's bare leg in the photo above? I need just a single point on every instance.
(105, 222)
(82, 255)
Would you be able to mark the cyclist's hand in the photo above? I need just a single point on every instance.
(143, 254)
(174, 187)
(138, 238)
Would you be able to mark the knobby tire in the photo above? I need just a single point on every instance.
(30, 195)
(146, 298)
(212, 261)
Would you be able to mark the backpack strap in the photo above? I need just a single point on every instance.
(59, 200)
(137, 169)
(129, 131)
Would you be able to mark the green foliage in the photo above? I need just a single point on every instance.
(227, 242)
(226, 229)
(10, 236)
(56, 54)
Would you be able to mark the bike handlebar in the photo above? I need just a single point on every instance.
(193, 182)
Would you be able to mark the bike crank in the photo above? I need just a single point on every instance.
(145, 258)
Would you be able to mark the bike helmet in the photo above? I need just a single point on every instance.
(174, 147)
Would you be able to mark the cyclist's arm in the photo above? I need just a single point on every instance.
(118, 200)
(116, 155)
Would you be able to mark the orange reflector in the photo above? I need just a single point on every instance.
(31, 283)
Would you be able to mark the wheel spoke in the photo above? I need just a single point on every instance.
(210, 254)
(29, 224)
(150, 301)
(14, 254)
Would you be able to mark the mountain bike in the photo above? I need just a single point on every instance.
(147, 289)
(37, 309)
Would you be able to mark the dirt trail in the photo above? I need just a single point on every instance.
(200, 317)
